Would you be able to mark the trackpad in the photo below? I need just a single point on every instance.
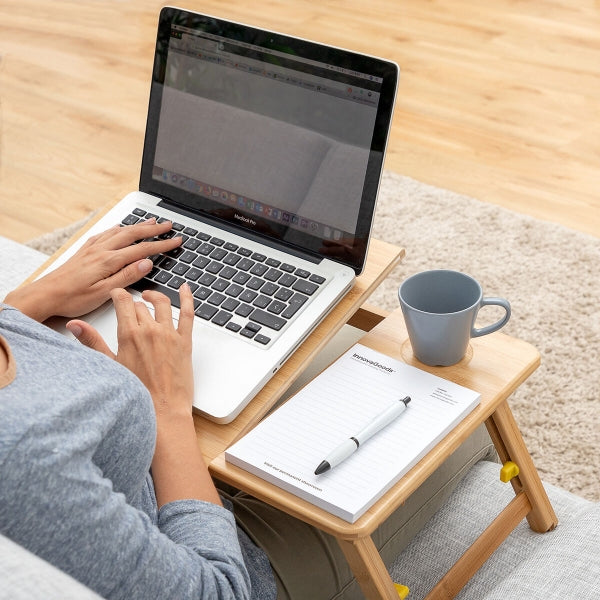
(104, 319)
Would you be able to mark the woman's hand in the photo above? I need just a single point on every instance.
(106, 261)
(160, 354)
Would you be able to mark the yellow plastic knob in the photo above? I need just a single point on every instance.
(508, 471)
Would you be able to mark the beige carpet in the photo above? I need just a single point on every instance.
(551, 276)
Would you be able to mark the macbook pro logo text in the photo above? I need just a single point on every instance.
(246, 220)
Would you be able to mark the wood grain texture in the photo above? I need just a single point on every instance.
(498, 100)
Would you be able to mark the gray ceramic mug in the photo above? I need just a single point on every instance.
(440, 308)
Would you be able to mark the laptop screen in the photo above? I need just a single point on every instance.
(269, 133)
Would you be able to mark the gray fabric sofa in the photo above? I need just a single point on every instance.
(564, 563)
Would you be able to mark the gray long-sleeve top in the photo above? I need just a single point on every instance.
(77, 435)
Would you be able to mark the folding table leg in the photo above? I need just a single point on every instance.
(509, 443)
(369, 569)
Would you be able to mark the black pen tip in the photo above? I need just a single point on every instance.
(324, 466)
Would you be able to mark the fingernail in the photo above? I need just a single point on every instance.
(145, 265)
(74, 329)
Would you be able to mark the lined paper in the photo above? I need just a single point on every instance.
(286, 447)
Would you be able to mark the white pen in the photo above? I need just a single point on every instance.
(352, 444)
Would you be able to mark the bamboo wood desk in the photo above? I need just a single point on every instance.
(495, 366)
(214, 438)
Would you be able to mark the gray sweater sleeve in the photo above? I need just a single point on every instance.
(74, 480)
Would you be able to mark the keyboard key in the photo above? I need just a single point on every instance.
(227, 272)
(162, 277)
(193, 274)
(144, 284)
(247, 296)
(167, 263)
(276, 307)
(259, 269)
(273, 274)
(140, 212)
(220, 285)
(180, 268)
(269, 289)
(214, 267)
(176, 252)
(203, 236)
(305, 287)
(262, 339)
(232, 259)
(175, 282)
(218, 254)
(295, 303)
(234, 290)
(284, 294)
(272, 262)
(258, 257)
(207, 279)
(244, 251)
(221, 318)
(190, 231)
(206, 311)
(255, 283)
(262, 302)
(130, 220)
(202, 293)
(247, 333)
(233, 326)
(241, 278)
(191, 244)
(243, 310)
(230, 304)
(302, 273)
(201, 262)
(215, 298)
(317, 279)
(287, 280)
(287, 268)
(245, 264)
(267, 319)
(187, 257)
(217, 241)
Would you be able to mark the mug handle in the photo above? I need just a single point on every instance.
(505, 304)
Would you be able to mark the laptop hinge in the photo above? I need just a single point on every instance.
(165, 203)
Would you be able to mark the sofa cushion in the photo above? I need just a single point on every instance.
(563, 563)
(24, 576)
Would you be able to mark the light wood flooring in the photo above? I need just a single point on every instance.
(497, 100)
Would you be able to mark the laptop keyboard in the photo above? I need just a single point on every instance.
(245, 292)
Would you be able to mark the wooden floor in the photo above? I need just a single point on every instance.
(498, 100)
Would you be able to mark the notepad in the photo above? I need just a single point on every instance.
(286, 447)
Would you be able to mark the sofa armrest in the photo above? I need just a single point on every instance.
(25, 576)
(18, 263)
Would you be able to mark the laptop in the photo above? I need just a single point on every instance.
(266, 152)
